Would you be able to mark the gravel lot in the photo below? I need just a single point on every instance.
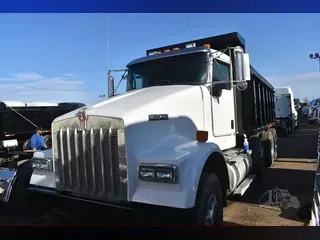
(294, 170)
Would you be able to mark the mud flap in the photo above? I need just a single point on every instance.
(7, 178)
(14, 184)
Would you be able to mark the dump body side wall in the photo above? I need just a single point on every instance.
(12, 123)
(258, 106)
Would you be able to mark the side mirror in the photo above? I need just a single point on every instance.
(242, 65)
(110, 85)
(217, 87)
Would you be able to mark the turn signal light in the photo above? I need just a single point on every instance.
(202, 136)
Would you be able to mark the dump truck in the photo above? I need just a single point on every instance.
(195, 125)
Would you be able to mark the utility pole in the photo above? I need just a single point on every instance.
(315, 56)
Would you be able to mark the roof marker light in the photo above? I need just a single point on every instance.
(190, 45)
(207, 45)
(176, 48)
(152, 53)
(167, 50)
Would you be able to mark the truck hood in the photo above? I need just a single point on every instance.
(133, 106)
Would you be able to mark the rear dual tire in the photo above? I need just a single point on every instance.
(47, 140)
(264, 150)
(269, 149)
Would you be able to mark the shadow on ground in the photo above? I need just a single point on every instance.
(302, 143)
(294, 173)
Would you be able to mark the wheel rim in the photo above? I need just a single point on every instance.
(212, 210)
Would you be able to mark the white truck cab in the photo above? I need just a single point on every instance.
(286, 114)
(176, 137)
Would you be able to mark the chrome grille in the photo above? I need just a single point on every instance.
(88, 163)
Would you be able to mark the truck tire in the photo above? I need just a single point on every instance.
(48, 140)
(256, 146)
(275, 142)
(208, 208)
(26, 145)
(268, 149)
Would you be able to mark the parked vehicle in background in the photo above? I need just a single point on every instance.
(312, 114)
(18, 122)
(305, 111)
(298, 105)
(286, 114)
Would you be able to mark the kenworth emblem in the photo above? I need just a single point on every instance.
(83, 117)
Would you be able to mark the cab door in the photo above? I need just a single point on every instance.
(223, 108)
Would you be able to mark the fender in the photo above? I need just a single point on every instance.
(190, 158)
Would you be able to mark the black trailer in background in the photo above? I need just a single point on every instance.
(255, 107)
(14, 126)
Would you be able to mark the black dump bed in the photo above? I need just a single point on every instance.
(13, 123)
(255, 107)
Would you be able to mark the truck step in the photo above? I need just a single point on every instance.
(242, 188)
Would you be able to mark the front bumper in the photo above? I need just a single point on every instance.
(42, 174)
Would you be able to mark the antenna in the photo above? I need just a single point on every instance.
(108, 53)
(190, 28)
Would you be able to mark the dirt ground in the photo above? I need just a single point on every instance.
(294, 170)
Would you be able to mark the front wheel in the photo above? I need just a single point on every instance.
(208, 209)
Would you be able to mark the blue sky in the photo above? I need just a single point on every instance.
(63, 57)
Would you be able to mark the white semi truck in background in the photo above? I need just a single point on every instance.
(177, 138)
(286, 114)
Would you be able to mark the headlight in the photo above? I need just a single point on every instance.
(42, 164)
(158, 173)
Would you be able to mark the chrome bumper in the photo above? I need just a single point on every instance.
(315, 212)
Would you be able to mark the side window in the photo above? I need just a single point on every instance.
(220, 71)
(135, 82)
(138, 81)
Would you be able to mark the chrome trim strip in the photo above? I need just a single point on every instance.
(92, 160)
(122, 163)
(76, 146)
(102, 162)
(84, 158)
(62, 174)
(111, 163)
(69, 158)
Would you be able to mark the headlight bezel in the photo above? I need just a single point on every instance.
(44, 164)
(157, 169)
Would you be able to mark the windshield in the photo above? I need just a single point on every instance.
(188, 69)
